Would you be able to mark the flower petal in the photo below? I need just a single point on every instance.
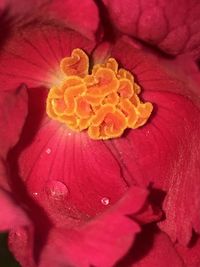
(100, 242)
(166, 150)
(190, 254)
(172, 26)
(151, 248)
(63, 169)
(82, 16)
(13, 111)
(11, 214)
(32, 54)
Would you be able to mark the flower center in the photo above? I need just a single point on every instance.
(104, 102)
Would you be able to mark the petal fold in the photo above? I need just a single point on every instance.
(13, 111)
(100, 242)
(151, 248)
(12, 216)
(171, 26)
(166, 150)
(82, 16)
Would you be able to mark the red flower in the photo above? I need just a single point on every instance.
(84, 201)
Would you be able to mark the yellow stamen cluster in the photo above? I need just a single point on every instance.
(104, 102)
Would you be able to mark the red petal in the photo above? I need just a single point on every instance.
(82, 16)
(152, 248)
(64, 169)
(13, 111)
(21, 245)
(32, 54)
(162, 253)
(166, 139)
(172, 26)
(166, 150)
(190, 254)
(102, 241)
(11, 214)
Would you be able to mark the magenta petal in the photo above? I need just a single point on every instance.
(172, 26)
(190, 254)
(166, 150)
(102, 241)
(63, 164)
(33, 53)
(11, 214)
(81, 16)
(162, 252)
(13, 111)
(2, 5)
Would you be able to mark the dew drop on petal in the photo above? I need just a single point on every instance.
(147, 133)
(35, 193)
(48, 151)
(105, 201)
(56, 189)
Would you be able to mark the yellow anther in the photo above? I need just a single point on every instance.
(76, 64)
(104, 102)
(112, 64)
(105, 83)
(125, 88)
(122, 73)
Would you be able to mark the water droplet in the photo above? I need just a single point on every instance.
(35, 193)
(147, 133)
(48, 151)
(69, 134)
(56, 189)
(105, 201)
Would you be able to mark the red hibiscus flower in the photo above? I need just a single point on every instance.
(70, 200)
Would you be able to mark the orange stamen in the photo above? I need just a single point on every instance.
(104, 102)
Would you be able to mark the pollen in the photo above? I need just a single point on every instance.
(104, 102)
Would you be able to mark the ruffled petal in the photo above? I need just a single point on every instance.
(151, 248)
(102, 241)
(166, 150)
(171, 26)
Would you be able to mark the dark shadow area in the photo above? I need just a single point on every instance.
(5, 27)
(198, 63)
(144, 240)
(194, 239)
(108, 28)
(37, 215)
(141, 246)
(5, 256)
(156, 196)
